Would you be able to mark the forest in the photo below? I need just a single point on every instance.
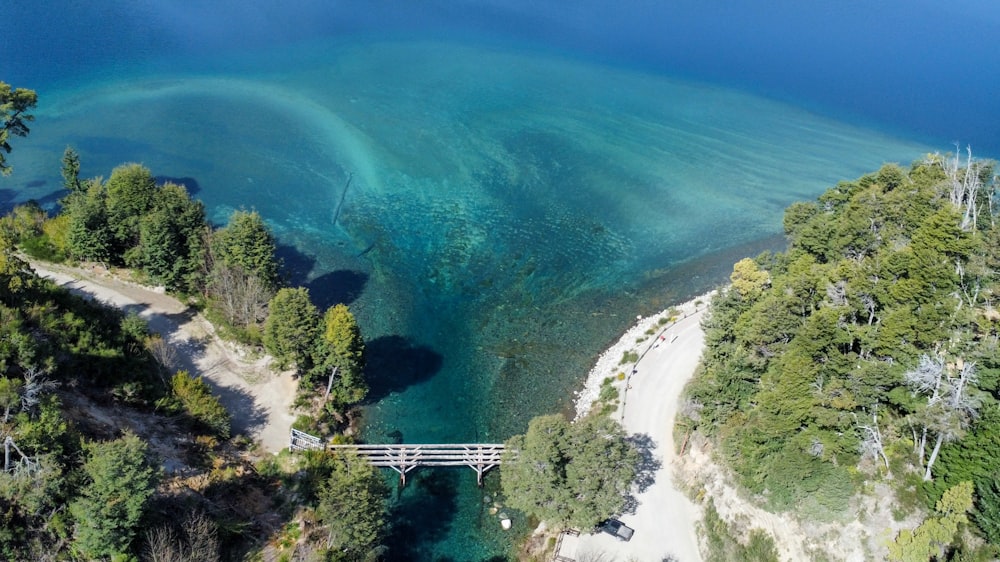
(867, 351)
(110, 452)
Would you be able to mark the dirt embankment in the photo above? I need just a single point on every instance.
(258, 400)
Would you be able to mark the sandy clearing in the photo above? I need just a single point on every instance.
(665, 519)
(260, 401)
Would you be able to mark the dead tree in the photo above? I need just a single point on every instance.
(8, 464)
(951, 404)
(240, 296)
(925, 379)
(36, 386)
(966, 184)
(329, 383)
(871, 441)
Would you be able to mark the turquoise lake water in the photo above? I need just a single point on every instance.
(506, 216)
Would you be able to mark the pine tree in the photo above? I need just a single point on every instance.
(14, 105)
(120, 480)
(291, 328)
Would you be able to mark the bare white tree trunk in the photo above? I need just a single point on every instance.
(923, 446)
(933, 457)
(872, 444)
(965, 185)
(329, 383)
(950, 405)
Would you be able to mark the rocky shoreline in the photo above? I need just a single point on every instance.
(637, 340)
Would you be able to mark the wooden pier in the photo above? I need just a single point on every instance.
(480, 457)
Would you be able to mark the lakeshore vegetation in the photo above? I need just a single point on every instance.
(110, 451)
(868, 351)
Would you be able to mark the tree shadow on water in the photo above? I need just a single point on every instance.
(335, 287)
(189, 184)
(49, 201)
(645, 470)
(395, 363)
(325, 290)
(423, 513)
(6, 200)
(295, 264)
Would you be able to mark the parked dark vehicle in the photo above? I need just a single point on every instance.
(616, 529)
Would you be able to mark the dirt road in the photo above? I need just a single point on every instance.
(664, 518)
(259, 400)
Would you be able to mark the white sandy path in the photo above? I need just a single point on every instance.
(260, 409)
(665, 519)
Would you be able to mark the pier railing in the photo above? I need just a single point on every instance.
(403, 458)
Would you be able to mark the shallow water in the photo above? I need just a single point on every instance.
(504, 216)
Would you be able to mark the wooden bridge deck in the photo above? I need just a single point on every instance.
(403, 458)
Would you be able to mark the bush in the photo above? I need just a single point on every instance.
(39, 247)
(200, 404)
(723, 546)
(608, 392)
(306, 423)
(629, 357)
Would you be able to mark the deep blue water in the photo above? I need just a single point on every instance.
(523, 181)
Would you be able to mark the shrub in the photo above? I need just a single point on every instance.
(608, 392)
(200, 404)
(723, 546)
(629, 357)
(305, 423)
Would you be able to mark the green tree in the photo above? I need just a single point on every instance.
(291, 328)
(131, 191)
(972, 458)
(342, 347)
(196, 397)
(352, 508)
(987, 511)
(601, 470)
(23, 222)
(119, 481)
(247, 243)
(71, 170)
(569, 474)
(15, 274)
(748, 280)
(88, 235)
(171, 238)
(935, 534)
(14, 105)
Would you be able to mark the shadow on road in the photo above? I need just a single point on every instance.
(645, 470)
